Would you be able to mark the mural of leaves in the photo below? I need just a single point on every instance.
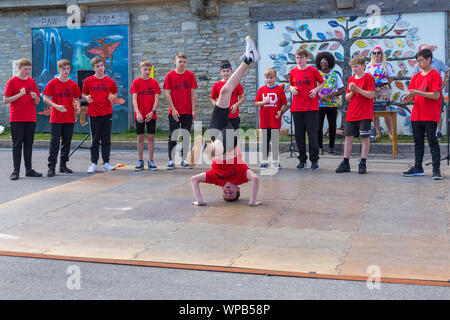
(361, 44)
(338, 56)
(388, 43)
(399, 85)
(312, 47)
(302, 27)
(400, 43)
(365, 53)
(290, 29)
(399, 32)
(321, 36)
(402, 65)
(402, 73)
(287, 37)
(395, 96)
(375, 32)
(356, 53)
(356, 33)
(410, 44)
(388, 53)
(269, 26)
(284, 43)
(334, 46)
(291, 56)
(412, 63)
(323, 46)
(288, 49)
(339, 34)
(352, 18)
(408, 54)
(333, 23)
(366, 32)
(385, 29)
(341, 19)
(329, 34)
(308, 34)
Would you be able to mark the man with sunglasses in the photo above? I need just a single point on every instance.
(425, 90)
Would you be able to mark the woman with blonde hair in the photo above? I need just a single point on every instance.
(383, 75)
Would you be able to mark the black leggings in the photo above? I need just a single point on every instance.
(101, 135)
(331, 114)
(219, 121)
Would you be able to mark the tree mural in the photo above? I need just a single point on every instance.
(347, 37)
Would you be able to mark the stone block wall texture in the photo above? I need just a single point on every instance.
(159, 29)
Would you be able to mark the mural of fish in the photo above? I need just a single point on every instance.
(105, 50)
(269, 26)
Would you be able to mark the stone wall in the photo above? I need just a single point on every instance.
(158, 30)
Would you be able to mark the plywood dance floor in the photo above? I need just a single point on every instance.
(318, 224)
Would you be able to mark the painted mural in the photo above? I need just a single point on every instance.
(345, 37)
(79, 46)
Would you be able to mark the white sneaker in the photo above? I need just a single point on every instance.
(92, 168)
(108, 167)
(170, 165)
(276, 165)
(251, 55)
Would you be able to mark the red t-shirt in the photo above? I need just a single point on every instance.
(99, 89)
(234, 171)
(304, 81)
(180, 86)
(23, 109)
(238, 91)
(62, 93)
(145, 90)
(360, 107)
(426, 109)
(268, 111)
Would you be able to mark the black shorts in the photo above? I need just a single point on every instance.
(151, 127)
(359, 128)
(220, 121)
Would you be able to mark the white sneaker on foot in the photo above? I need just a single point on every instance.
(251, 55)
(108, 167)
(92, 168)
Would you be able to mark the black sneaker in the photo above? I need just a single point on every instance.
(301, 166)
(343, 167)
(14, 176)
(51, 172)
(362, 168)
(64, 169)
(440, 137)
(152, 166)
(437, 174)
(412, 172)
(264, 165)
(139, 166)
(314, 165)
(33, 174)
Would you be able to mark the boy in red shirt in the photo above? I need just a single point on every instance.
(237, 97)
(273, 103)
(425, 90)
(305, 82)
(360, 93)
(22, 95)
(228, 169)
(63, 92)
(180, 85)
(100, 91)
(145, 91)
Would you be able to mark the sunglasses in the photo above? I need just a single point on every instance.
(377, 52)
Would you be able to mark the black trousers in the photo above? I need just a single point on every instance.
(307, 122)
(420, 128)
(22, 134)
(331, 114)
(101, 134)
(184, 123)
(60, 132)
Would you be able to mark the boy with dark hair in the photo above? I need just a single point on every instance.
(180, 85)
(100, 92)
(425, 90)
(64, 93)
(237, 97)
(305, 84)
(145, 91)
(228, 169)
(22, 95)
(273, 103)
(360, 93)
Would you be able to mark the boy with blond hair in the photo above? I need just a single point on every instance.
(360, 93)
(273, 103)
(100, 91)
(180, 85)
(64, 93)
(22, 95)
(145, 91)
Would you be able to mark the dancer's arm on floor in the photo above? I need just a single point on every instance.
(254, 180)
(195, 183)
